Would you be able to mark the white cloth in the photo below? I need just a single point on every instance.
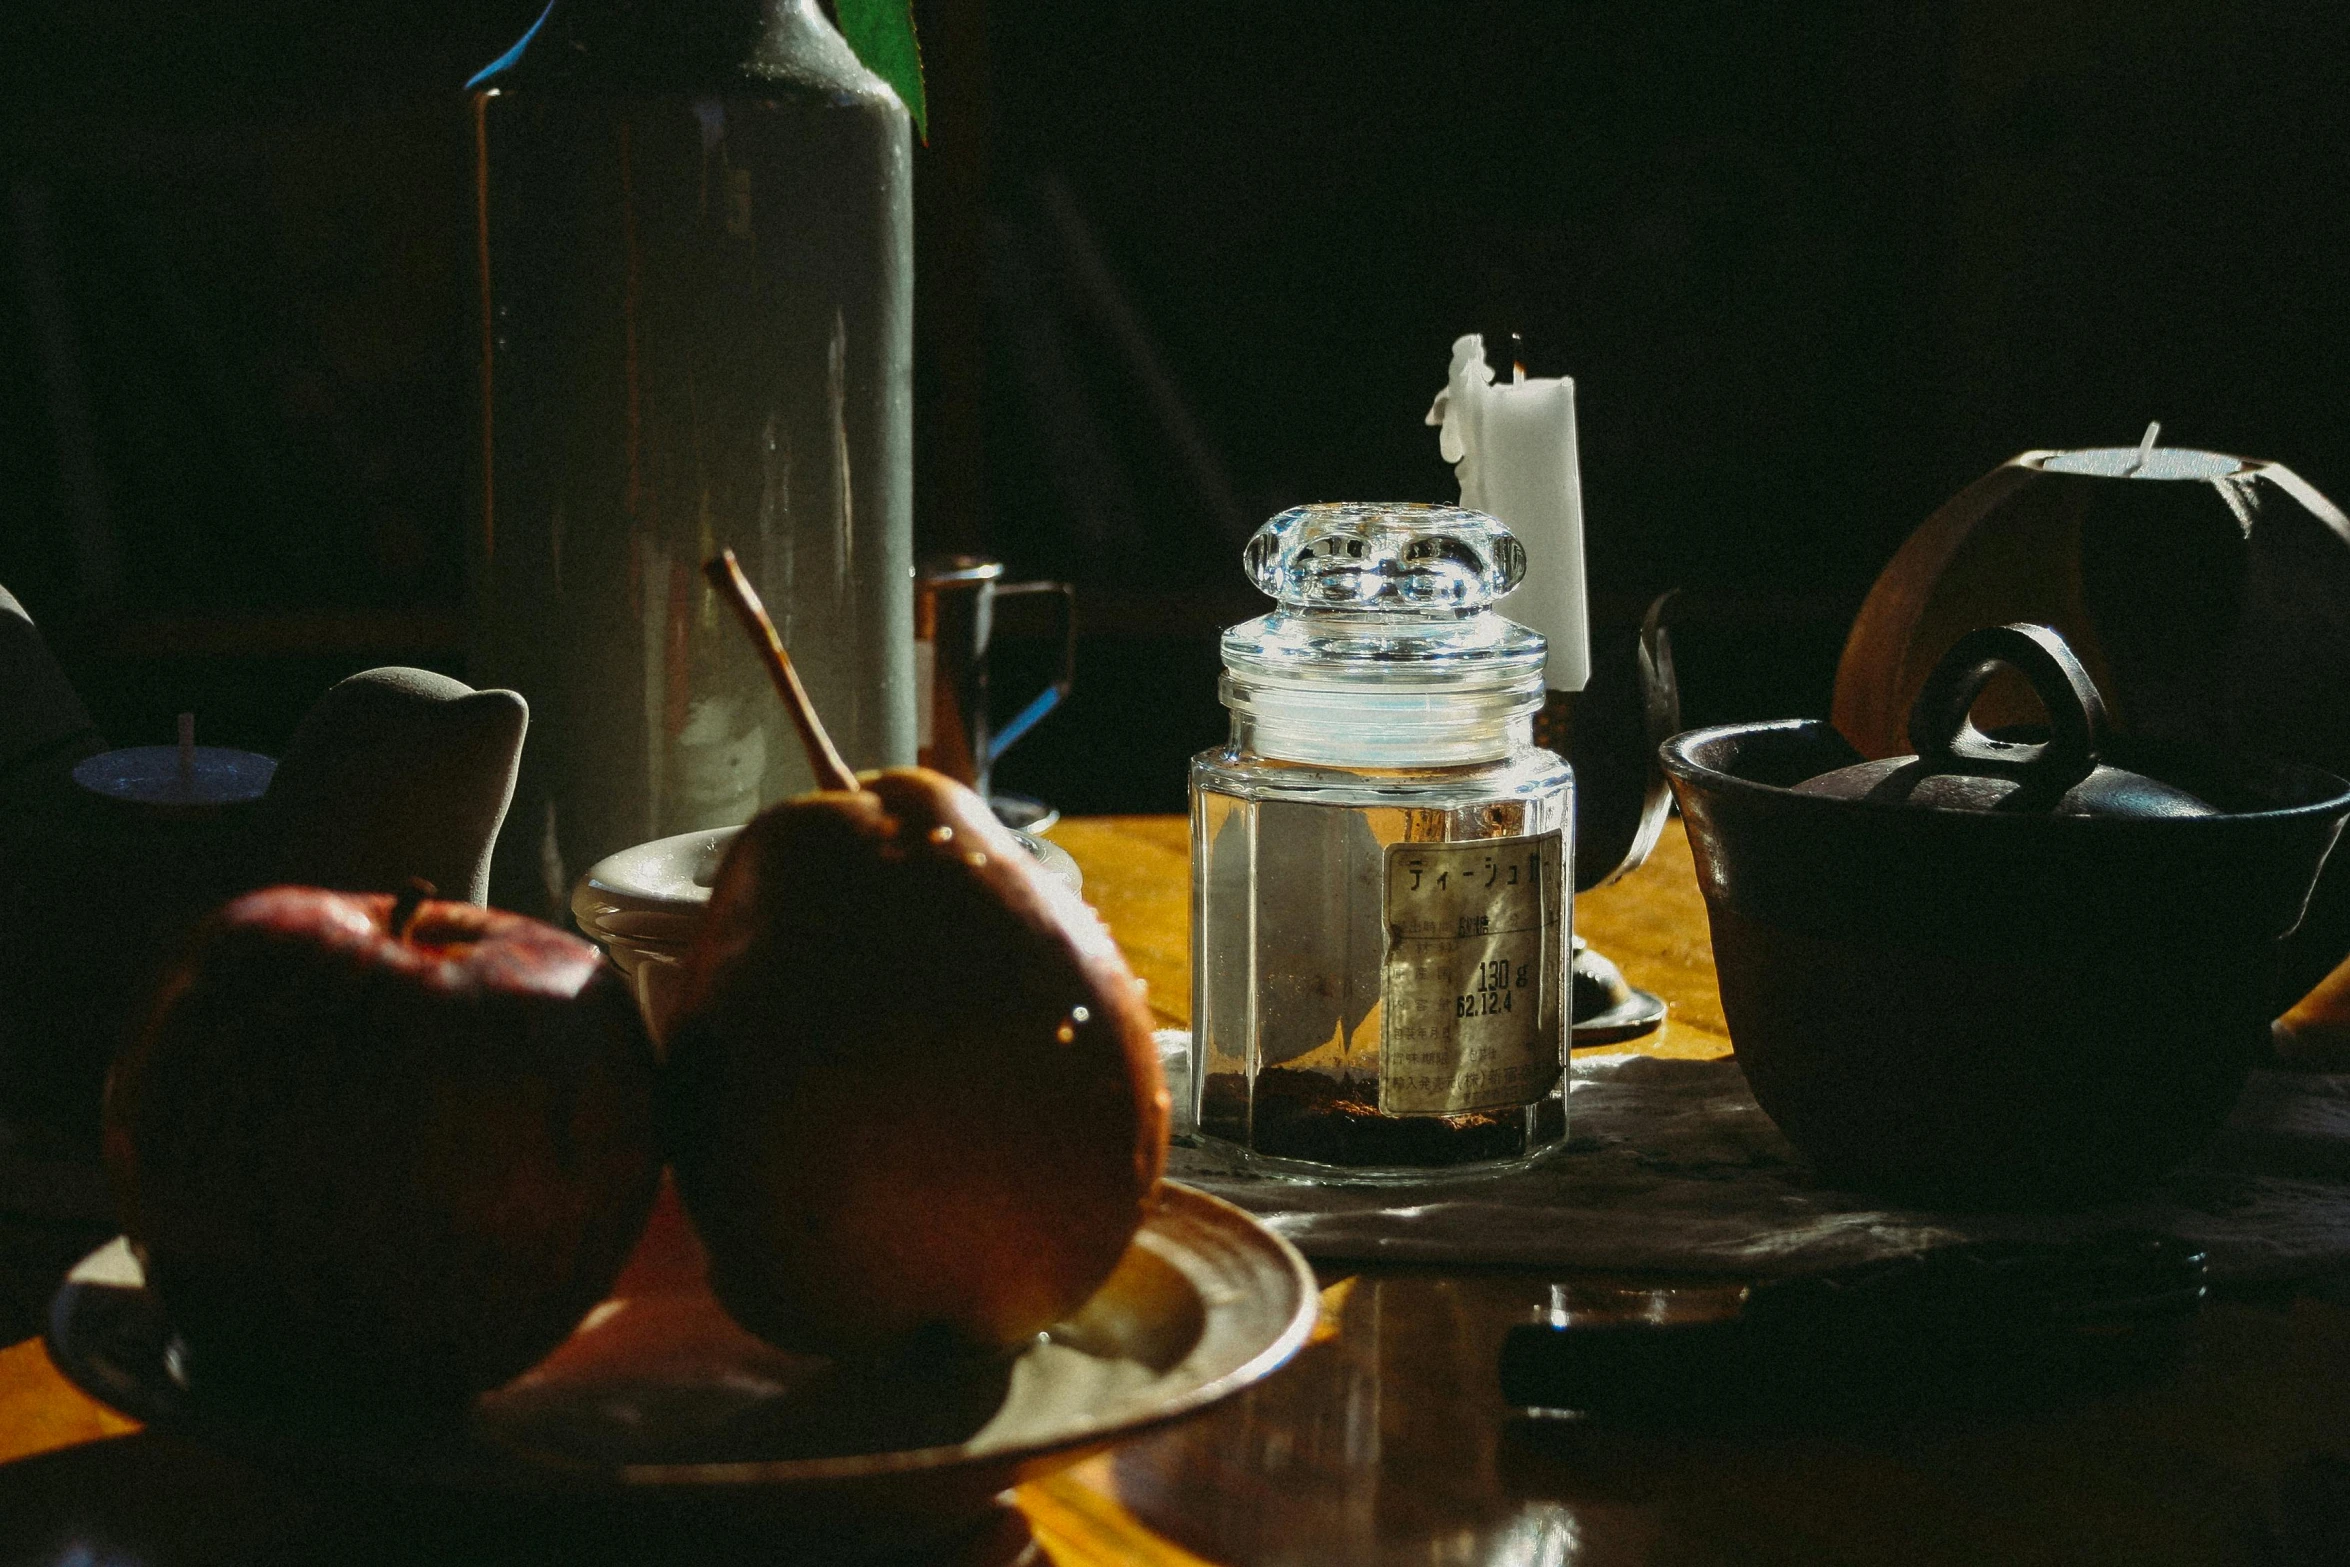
(1671, 1166)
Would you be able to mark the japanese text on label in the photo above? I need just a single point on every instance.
(1473, 990)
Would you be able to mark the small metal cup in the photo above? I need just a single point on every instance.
(954, 630)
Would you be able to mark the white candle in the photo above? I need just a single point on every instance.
(1512, 444)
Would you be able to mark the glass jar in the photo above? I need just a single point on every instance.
(1380, 905)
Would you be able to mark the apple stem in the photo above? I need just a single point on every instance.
(406, 906)
(726, 575)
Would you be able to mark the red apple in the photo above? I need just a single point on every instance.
(378, 1155)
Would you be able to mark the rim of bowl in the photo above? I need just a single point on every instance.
(598, 892)
(1675, 755)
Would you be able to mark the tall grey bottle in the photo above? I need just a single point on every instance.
(697, 331)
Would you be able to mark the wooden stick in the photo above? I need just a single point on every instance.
(726, 575)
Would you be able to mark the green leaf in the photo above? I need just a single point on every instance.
(882, 33)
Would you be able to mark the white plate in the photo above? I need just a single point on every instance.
(642, 904)
(660, 1395)
(656, 891)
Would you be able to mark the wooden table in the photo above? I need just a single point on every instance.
(1387, 1440)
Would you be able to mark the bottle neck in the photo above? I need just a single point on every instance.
(1380, 729)
(662, 45)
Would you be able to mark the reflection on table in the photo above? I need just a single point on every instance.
(1387, 1440)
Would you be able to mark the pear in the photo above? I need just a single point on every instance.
(911, 1092)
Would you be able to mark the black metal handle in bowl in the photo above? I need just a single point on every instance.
(1946, 739)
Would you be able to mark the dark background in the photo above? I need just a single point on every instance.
(1814, 267)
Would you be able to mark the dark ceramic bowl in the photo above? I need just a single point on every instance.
(1984, 1007)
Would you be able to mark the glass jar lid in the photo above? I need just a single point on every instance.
(1385, 649)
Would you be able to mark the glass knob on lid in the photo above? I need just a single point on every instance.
(1385, 650)
(1398, 557)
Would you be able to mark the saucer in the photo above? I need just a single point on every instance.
(641, 905)
(658, 1399)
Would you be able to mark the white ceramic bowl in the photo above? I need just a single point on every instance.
(642, 904)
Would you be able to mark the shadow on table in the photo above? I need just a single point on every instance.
(155, 1501)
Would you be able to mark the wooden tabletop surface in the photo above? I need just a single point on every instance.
(1387, 1439)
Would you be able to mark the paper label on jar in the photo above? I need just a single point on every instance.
(1473, 993)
